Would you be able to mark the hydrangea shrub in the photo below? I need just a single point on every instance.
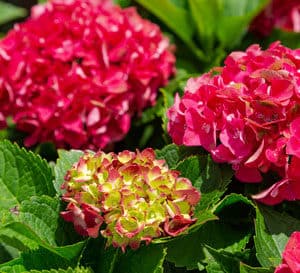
(133, 194)
(78, 79)
(247, 114)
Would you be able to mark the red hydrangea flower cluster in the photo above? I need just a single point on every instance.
(76, 72)
(291, 256)
(135, 195)
(247, 114)
(279, 14)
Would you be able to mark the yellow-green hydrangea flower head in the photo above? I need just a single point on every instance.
(133, 195)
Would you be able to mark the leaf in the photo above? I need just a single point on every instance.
(34, 223)
(192, 167)
(19, 236)
(68, 270)
(248, 269)
(22, 175)
(4, 253)
(45, 258)
(216, 234)
(176, 18)
(9, 12)
(65, 161)
(221, 261)
(204, 14)
(104, 259)
(41, 213)
(146, 259)
(232, 199)
(234, 19)
(170, 153)
(213, 182)
(21, 269)
(272, 233)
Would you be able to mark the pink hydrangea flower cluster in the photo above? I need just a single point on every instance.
(135, 195)
(247, 114)
(291, 256)
(76, 72)
(279, 14)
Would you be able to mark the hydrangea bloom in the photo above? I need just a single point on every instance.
(291, 256)
(247, 114)
(278, 14)
(76, 71)
(136, 196)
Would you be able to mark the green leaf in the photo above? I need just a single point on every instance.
(41, 213)
(65, 161)
(21, 269)
(205, 14)
(22, 175)
(192, 167)
(104, 259)
(273, 230)
(69, 270)
(176, 18)
(4, 253)
(45, 259)
(216, 234)
(248, 269)
(220, 261)
(34, 222)
(234, 19)
(146, 259)
(9, 12)
(19, 236)
(170, 153)
(232, 199)
(212, 183)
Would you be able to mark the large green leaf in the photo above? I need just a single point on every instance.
(234, 19)
(45, 258)
(214, 182)
(41, 213)
(69, 270)
(174, 154)
(188, 251)
(272, 233)
(34, 222)
(65, 161)
(21, 269)
(175, 17)
(9, 12)
(22, 175)
(146, 259)
(220, 261)
(205, 14)
(104, 260)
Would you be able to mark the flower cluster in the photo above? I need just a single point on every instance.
(136, 196)
(291, 256)
(76, 72)
(247, 114)
(280, 14)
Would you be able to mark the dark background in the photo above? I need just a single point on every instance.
(25, 3)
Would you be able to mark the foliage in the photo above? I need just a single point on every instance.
(231, 234)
